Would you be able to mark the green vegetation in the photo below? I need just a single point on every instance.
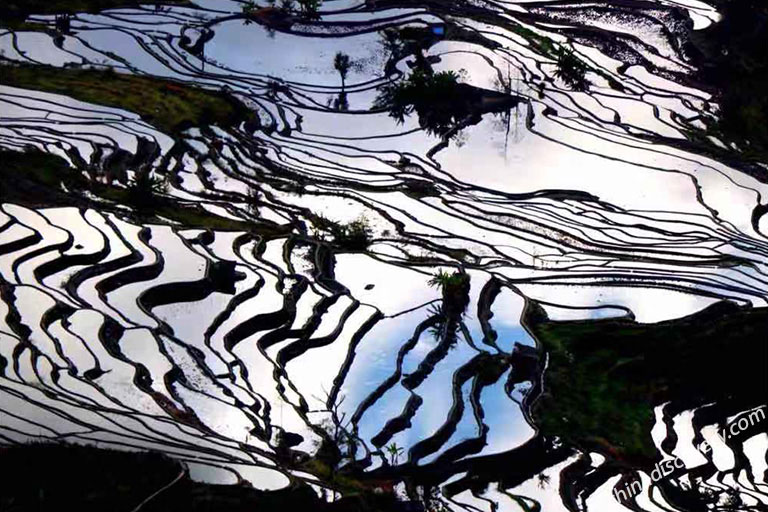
(732, 54)
(444, 280)
(395, 452)
(167, 105)
(604, 377)
(437, 98)
(444, 106)
(571, 70)
(541, 43)
(455, 291)
(38, 179)
(355, 235)
(34, 178)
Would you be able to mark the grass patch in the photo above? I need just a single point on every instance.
(604, 377)
(36, 180)
(169, 106)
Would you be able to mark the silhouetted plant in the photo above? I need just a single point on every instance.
(394, 452)
(437, 98)
(444, 279)
(341, 63)
(444, 327)
(144, 189)
(510, 122)
(353, 236)
(455, 292)
(341, 102)
(340, 441)
(572, 70)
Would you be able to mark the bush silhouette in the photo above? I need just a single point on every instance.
(437, 98)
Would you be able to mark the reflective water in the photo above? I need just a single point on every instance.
(211, 345)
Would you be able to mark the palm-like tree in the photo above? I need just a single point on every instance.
(341, 63)
(394, 453)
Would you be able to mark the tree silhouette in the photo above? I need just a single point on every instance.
(341, 102)
(572, 70)
(342, 63)
(438, 99)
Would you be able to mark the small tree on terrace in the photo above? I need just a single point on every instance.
(437, 98)
(341, 63)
